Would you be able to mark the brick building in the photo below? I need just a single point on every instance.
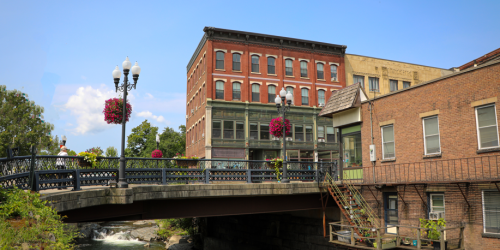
(232, 80)
(436, 150)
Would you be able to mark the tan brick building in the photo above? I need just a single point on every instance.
(436, 153)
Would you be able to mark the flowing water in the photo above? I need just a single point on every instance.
(116, 235)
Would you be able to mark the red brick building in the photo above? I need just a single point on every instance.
(436, 154)
(232, 80)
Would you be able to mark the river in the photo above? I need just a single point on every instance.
(115, 236)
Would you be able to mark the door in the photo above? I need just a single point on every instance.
(391, 212)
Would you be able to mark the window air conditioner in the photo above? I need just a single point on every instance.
(436, 215)
(187, 116)
(321, 140)
(321, 104)
(289, 139)
(276, 138)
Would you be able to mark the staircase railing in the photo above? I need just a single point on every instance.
(367, 209)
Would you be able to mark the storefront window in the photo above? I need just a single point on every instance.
(351, 142)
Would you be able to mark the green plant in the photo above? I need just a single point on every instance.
(433, 227)
(169, 227)
(278, 163)
(95, 150)
(89, 157)
(25, 219)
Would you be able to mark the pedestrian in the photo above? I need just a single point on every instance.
(61, 165)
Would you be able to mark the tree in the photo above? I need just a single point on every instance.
(142, 141)
(111, 152)
(22, 121)
(172, 142)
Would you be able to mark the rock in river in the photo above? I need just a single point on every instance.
(145, 233)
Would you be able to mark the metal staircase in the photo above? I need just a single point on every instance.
(353, 206)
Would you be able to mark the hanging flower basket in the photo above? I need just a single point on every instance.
(156, 154)
(276, 127)
(113, 111)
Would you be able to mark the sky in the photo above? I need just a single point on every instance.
(62, 53)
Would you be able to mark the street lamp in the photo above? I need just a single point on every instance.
(157, 140)
(282, 109)
(64, 140)
(136, 70)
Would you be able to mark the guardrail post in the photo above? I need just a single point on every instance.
(461, 241)
(398, 238)
(331, 233)
(36, 180)
(353, 242)
(379, 241)
(76, 180)
(443, 246)
(207, 176)
(419, 244)
(164, 176)
(249, 176)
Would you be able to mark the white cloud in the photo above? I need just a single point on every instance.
(149, 96)
(149, 115)
(87, 105)
(84, 78)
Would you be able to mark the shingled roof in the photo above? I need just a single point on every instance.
(342, 99)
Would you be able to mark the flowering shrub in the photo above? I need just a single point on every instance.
(179, 156)
(276, 127)
(95, 150)
(89, 157)
(113, 111)
(156, 154)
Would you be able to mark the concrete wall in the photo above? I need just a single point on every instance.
(387, 70)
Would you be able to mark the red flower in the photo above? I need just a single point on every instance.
(113, 111)
(156, 154)
(276, 127)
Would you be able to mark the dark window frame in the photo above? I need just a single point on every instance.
(271, 69)
(255, 95)
(238, 93)
(219, 93)
(237, 63)
(303, 71)
(255, 65)
(218, 61)
(320, 73)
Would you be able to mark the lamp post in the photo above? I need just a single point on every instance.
(281, 104)
(157, 140)
(64, 140)
(126, 65)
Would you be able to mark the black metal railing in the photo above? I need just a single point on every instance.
(74, 172)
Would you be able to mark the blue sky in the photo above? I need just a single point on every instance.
(62, 53)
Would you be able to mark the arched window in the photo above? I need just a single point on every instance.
(236, 91)
(271, 69)
(290, 89)
(236, 62)
(305, 96)
(303, 69)
(289, 67)
(271, 93)
(219, 90)
(321, 96)
(321, 73)
(255, 92)
(255, 64)
(219, 60)
(333, 70)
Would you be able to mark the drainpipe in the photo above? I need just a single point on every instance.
(371, 129)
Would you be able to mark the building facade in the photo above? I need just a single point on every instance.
(381, 76)
(232, 81)
(432, 151)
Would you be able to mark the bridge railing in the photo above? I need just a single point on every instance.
(74, 172)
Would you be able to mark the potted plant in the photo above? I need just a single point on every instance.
(276, 163)
(276, 127)
(186, 161)
(89, 159)
(156, 154)
(406, 241)
(113, 111)
(433, 232)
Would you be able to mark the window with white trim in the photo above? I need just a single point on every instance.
(271, 93)
(491, 211)
(219, 90)
(320, 71)
(432, 143)
(219, 60)
(303, 68)
(236, 91)
(437, 203)
(373, 84)
(321, 96)
(271, 68)
(359, 79)
(388, 142)
(289, 67)
(305, 96)
(236, 62)
(333, 72)
(255, 92)
(487, 129)
(255, 64)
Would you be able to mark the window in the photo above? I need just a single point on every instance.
(299, 133)
(303, 69)
(437, 203)
(321, 132)
(431, 135)
(289, 136)
(255, 64)
(388, 142)
(358, 79)
(393, 85)
(228, 130)
(219, 60)
(216, 130)
(491, 211)
(321, 96)
(321, 73)
(240, 130)
(236, 91)
(289, 67)
(406, 85)
(271, 65)
(290, 89)
(255, 92)
(487, 130)
(330, 134)
(373, 82)
(333, 71)
(305, 97)
(236, 62)
(264, 131)
(219, 90)
(309, 133)
(271, 93)
(254, 131)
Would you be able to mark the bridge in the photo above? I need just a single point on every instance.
(160, 188)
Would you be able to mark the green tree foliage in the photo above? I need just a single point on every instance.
(142, 141)
(170, 227)
(22, 120)
(111, 152)
(24, 218)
